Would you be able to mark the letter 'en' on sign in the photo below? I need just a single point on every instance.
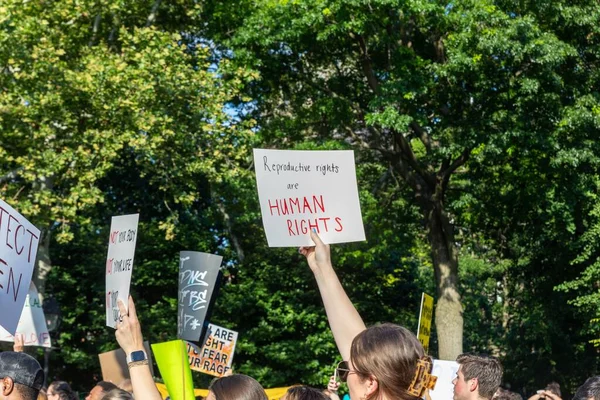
(198, 273)
(19, 241)
(425, 316)
(32, 326)
(300, 191)
(119, 264)
(216, 355)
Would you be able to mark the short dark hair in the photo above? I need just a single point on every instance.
(554, 387)
(107, 386)
(304, 393)
(239, 387)
(26, 392)
(487, 370)
(589, 390)
(117, 394)
(63, 390)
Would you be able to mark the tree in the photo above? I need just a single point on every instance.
(424, 85)
(89, 83)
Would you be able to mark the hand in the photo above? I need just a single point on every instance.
(333, 385)
(18, 346)
(129, 331)
(318, 256)
(549, 395)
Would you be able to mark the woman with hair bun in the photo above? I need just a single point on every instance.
(381, 362)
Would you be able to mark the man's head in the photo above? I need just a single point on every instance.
(477, 377)
(100, 390)
(21, 376)
(590, 390)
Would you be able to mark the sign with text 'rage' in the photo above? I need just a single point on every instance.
(32, 327)
(119, 264)
(216, 355)
(198, 274)
(300, 191)
(19, 241)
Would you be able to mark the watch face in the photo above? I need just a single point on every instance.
(137, 356)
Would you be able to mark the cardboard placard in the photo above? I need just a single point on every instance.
(32, 325)
(19, 241)
(216, 355)
(114, 365)
(119, 264)
(304, 190)
(198, 274)
(425, 316)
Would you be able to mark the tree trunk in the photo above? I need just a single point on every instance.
(448, 312)
(43, 265)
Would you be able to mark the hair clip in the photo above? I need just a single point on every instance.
(423, 379)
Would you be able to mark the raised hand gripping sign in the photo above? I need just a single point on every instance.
(198, 274)
(304, 190)
(119, 264)
(19, 241)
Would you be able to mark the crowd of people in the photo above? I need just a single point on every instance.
(381, 362)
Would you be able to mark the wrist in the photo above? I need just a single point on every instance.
(136, 356)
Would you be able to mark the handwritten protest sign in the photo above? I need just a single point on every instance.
(119, 264)
(304, 190)
(425, 316)
(198, 274)
(19, 241)
(32, 324)
(216, 355)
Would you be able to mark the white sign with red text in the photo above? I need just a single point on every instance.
(32, 326)
(300, 191)
(119, 264)
(19, 241)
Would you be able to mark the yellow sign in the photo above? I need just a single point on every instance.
(424, 331)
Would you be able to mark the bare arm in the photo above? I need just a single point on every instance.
(129, 336)
(344, 320)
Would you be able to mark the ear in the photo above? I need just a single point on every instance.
(473, 384)
(7, 386)
(372, 385)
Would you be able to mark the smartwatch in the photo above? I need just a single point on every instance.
(138, 355)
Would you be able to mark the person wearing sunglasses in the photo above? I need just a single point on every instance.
(382, 362)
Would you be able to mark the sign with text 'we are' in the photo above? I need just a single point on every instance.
(119, 264)
(19, 241)
(216, 355)
(300, 191)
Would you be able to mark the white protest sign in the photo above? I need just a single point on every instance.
(19, 241)
(445, 372)
(304, 190)
(216, 355)
(119, 264)
(32, 325)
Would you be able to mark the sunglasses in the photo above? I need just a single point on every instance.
(342, 371)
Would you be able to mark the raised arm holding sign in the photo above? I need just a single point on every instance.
(19, 241)
(304, 190)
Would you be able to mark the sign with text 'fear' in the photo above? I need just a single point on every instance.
(216, 355)
(19, 241)
(300, 191)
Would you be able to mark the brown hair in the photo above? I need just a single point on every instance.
(304, 393)
(390, 353)
(487, 370)
(237, 387)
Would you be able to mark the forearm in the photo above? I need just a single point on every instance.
(143, 384)
(344, 320)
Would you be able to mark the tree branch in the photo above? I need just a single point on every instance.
(447, 171)
(95, 29)
(153, 12)
(11, 175)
